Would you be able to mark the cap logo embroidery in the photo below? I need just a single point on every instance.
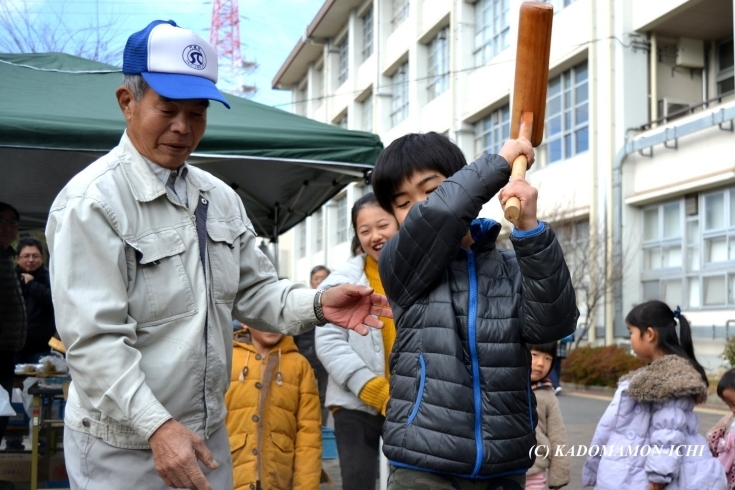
(194, 57)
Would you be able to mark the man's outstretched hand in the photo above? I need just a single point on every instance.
(355, 307)
(176, 450)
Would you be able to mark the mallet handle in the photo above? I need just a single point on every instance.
(518, 168)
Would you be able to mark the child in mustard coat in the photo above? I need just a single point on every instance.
(274, 418)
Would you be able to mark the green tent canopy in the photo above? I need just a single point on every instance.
(58, 113)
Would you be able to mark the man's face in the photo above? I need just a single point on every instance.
(163, 130)
(415, 188)
(8, 228)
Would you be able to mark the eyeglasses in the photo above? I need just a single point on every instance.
(9, 222)
(30, 256)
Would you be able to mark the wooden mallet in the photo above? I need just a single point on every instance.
(529, 89)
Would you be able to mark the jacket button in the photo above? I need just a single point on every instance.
(377, 348)
(258, 385)
(255, 452)
(255, 418)
(85, 423)
(637, 409)
(258, 357)
(630, 435)
(252, 487)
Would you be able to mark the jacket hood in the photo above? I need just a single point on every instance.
(242, 338)
(352, 272)
(670, 376)
(484, 233)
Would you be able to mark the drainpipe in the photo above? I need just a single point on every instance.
(610, 264)
(593, 218)
(452, 71)
(653, 74)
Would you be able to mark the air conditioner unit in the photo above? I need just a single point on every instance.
(667, 107)
(690, 53)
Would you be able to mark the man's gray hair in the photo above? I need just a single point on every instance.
(136, 84)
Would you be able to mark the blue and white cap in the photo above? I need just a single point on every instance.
(176, 62)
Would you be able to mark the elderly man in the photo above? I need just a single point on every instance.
(169, 257)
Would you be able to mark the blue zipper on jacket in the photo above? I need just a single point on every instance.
(475, 364)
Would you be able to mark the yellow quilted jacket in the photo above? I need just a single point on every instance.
(273, 419)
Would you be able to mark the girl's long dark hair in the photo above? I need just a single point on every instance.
(657, 315)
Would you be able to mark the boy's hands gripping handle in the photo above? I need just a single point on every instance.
(519, 165)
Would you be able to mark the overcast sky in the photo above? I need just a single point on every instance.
(269, 29)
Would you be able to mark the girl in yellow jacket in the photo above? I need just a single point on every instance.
(273, 419)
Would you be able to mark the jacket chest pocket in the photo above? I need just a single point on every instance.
(223, 247)
(160, 290)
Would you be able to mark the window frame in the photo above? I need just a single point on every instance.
(343, 60)
(570, 127)
(342, 220)
(497, 125)
(367, 33)
(727, 73)
(399, 99)
(694, 277)
(318, 229)
(494, 35)
(399, 13)
(438, 62)
(367, 114)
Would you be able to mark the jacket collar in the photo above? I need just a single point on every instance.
(484, 233)
(670, 376)
(144, 184)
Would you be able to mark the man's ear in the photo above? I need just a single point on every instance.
(126, 101)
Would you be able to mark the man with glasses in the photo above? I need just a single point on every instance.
(12, 308)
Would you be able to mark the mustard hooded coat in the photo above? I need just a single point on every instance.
(274, 418)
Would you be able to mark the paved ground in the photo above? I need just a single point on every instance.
(581, 413)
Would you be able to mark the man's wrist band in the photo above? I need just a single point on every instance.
(318, 312)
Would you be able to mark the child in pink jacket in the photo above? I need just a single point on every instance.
(722, 436)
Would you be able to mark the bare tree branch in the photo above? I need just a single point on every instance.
(23, 30)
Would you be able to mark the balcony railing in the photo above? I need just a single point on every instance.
(684, 112)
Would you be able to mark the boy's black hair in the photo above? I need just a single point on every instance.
(7, 207)
(29, 241)
(406, 155)
(726, 382)
(657, 315)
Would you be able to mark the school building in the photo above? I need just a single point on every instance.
(637, 168)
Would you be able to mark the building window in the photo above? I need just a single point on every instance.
(560, 4)
(367, 34)
(492, 132)
(689, 251)
(342, 121)
(725, 72)
(400, 13)
(342, 225)
(567, 114)
(319, 85)
(439, 64)
(318, 221)
(344, 60)
(301, 239)
(399, 106)
(491, 29)
(367, 114)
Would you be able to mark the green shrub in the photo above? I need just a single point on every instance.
(729, 353)
(598, 366)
